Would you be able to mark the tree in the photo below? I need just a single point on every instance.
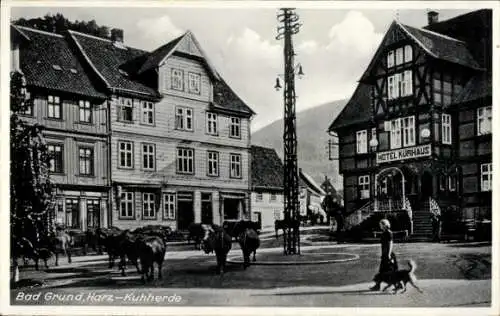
(31, 189)
(59, 24)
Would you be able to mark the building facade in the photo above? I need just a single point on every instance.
(417, 131)
(138, 137)
(180, 136)
(74, 114)
(267, 201)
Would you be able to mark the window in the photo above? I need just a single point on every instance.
(213, 163)
(148, 156)
(390, 59)
(486, 176)
(272, 197)
(194, 83)
(148, 206)
(277, 215)
(394, 83)
(86, 156)
(85, 111)
(93, 214)
(234, 127)
(452, 183)
(169, 206)
(184, 119)
(396, 133)
(148, 113)
(211, 123)
(177, 79)
(361, 142)
(56, 158)
(408, 53)
(185, 160)
(484, 120)
(406, 85)
(364, 187)
(408, 131)
(127, 205)
(259, 197)
(54, 107)
(125, 151)
(235, 168)
(399, 56)
(125, 110)
(446, 128)
(72, 219)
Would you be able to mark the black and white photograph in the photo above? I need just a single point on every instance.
(251, 156)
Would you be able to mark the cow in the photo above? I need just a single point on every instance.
(282, 224)
(161, 231)
(23, 247)
(249, 242)
(110, 239)
(234, 229)
(60, 241)
(151, 249)
(196, 233)
(128, 249)
(218, 241)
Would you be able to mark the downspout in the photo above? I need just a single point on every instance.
(110, 182)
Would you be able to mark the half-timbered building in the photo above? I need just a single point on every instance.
(63, 99)
(416, 134)
(180, 136)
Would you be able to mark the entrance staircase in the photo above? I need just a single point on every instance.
(422, 226)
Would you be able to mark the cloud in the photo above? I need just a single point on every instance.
(355, 33)
(308, 47)
(158, 31)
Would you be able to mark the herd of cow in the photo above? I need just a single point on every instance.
(143, 246)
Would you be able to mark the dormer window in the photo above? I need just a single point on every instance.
(399, 56)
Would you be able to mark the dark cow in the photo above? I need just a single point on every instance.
(151, 249)
(196, 233)
(161, 231)
(110, 239)
(24, 248)
(235, 228)
(281, 224)
(249, 242)
(218, 241)
(128, 249)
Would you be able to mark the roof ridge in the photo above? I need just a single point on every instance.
(37, 30)
(104, 39)
(435, 33)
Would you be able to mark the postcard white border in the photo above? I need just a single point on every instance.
(94, 310)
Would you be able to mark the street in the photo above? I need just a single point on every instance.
(455, 274)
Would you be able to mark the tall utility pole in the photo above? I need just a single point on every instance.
(291, 238)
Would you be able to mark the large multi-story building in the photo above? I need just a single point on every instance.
(167, 140)
(417, 130)
(74, 115)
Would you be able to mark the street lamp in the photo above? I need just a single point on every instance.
(296, 70)
(374, 143)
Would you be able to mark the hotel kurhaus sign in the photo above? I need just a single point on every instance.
(404, 153)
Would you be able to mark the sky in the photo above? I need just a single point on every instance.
(334, 46)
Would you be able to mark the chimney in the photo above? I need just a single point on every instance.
(432, 17)
(117, 35)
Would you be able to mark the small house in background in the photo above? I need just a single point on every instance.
(267, 201)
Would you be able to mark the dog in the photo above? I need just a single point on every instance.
(399, 278)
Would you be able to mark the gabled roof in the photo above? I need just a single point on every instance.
(266, 168)
(48, 62)
(357, 110)
(477, 87)
(108, 60)
(442, 47)
(155, 57)
(226, 99)
(310, 183)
